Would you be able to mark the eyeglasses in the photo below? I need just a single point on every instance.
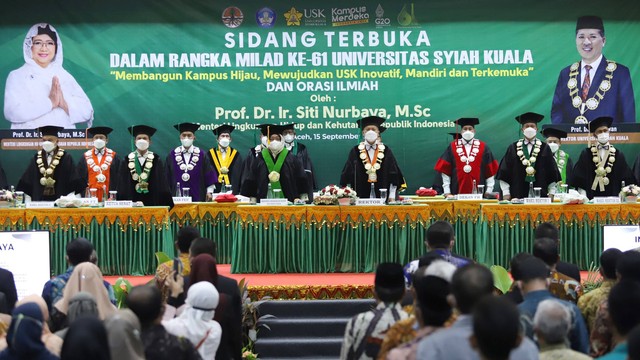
(40, 43)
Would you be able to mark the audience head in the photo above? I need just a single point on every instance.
(440, 235)
(389, 282)
(608, 261)
(547, 230)
(88, 278)
(204, 268)
(203, 298)
(552, 322)
(25, 332)
(516, 265)
(185, 237)
(441, 269)
(623, 306)
(546, 249)
(203, 246)
(431, 292)
(496, 328)
(79, 250)
(628, 266)
(86, 339)
(469, 284)
(38, 300)
(146, 302)
(534, 275)
(82, 304)
(633, 341)
(123, 329)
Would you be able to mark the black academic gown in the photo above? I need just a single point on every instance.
(355, 174)
(4, 184)
(636, 170)
(83, 172)
(235, 169)
(584, 174)
(513, 172)
(292, 178)
(247, 165)
(300, 151)
(159, 193)
(65, 176)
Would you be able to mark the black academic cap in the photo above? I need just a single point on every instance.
(288, 126)
(533, 268)
(264, 127)
(136, 130)
(589, 22)
(276, 129)
(529, 117)
(50, 130)
(99, 130)
(371, 120)
(389, 275)
(187, 126)
(224, 128)
(455, 135)
(467, 121)
(598, 122)
(550, 131)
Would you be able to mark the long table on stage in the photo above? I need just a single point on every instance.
(319, 239)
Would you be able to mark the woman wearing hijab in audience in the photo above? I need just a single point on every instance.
(24, 338)
(85, 277)
(123, 328)
(81, 305)
(51, 341)
(86, 340)
(196, 321)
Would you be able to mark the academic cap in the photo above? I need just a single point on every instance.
(99, 130)
(264, 128)
(187, 126)
(529, 117)
(136, 130)
(590, 22)
(389, 275)
(370, 120)
(224, 128)
(553, 132)
(50, 130)
(288, 127)
(598, 122)
(455, 135)
(467, 121)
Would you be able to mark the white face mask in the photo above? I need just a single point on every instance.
(530, 133)
(99, 143)
(554, 147)
(371, 136)
(288, 138)
(142, 144)
(468, 135)
(264, 141)
(186, 142)
(603, 138)
(224, 142)
(276, 146)
(48, 146)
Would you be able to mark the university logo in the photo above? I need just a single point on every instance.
(266, 17)
(232, 17)
(381, 21)
(293, 17)
(407, 16)
(315, 17)
(349, 16)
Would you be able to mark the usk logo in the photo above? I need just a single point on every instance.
(293, 17)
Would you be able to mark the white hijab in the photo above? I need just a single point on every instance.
(28, 42)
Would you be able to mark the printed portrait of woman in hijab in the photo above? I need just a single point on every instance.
(41, 92)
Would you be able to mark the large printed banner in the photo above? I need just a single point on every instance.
(321, 64)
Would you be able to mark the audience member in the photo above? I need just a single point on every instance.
(86, 339)
(7, 291)
(24, 338)
(514, 294)
(561, 286)
(535, 288)
(496, 329)
(633, 344)
(549, 230)
(81, 305)
(146, 303)
(364, 333)
(589, 302)
(468, 286)
(196, 320)
(625, 315)
(52, 342)
(184, 238)
(551, 325)
(123, 330)
(85, 277)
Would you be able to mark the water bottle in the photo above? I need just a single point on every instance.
(178, 190)
(372, 194)
(531, 193)
(622, 185)
(269, 192)
(474, 189)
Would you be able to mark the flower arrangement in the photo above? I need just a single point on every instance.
(6, 195)
(630, 193)
(331, 195)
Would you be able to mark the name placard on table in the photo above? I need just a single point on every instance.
(469, 197)
(606, 200)
(89, 201)
(366, 202)
(274, 202)
(182, 199)
(40, 204)
(540, 200)
(118, 203)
